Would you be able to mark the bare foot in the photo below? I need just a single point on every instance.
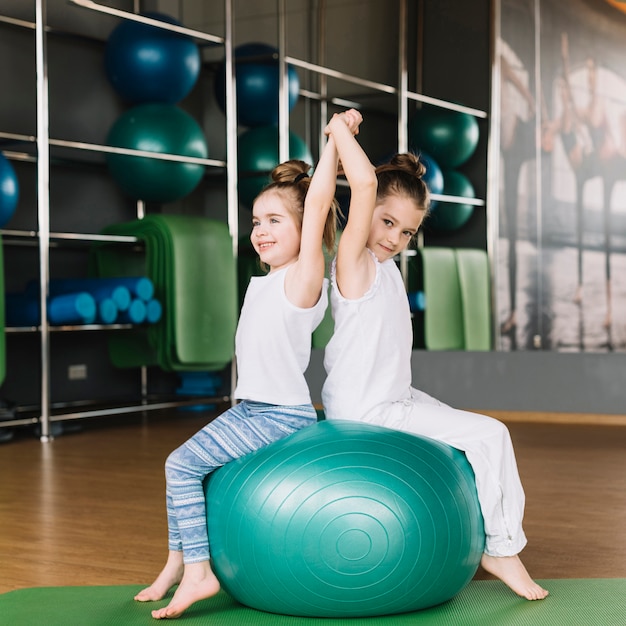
(198, 583)
(511, 571)
(170, 575)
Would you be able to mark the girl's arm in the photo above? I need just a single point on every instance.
(304, 280)
(355, 268)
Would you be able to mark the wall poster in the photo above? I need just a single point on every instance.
(560, 240)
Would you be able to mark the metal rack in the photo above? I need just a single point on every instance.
(37, 149)
(42, 143)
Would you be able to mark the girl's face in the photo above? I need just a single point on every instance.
(394, 223)
(275, 233)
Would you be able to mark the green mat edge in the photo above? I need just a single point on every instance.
(572, 602)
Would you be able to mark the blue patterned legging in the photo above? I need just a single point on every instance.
(242, 429)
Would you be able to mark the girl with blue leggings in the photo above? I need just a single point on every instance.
(291, 218)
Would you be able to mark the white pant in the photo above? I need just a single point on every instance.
(489, 450)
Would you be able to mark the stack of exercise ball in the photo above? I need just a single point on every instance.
(154, 69)
(257, 77)
(448, 139)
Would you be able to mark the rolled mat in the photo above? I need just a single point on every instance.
(190, 261)
(474, 281)
(443, 318)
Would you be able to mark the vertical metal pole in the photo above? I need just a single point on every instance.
(419, 78)
(403, 142)
(231, 149)
(493, 164)
(43, 206)
(403, 81)
(538, 338)
(283, 82)
(323, 79)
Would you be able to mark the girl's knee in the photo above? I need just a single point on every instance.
(173, 463)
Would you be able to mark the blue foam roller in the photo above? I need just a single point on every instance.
(107, 311)
(72, 308)
(120, 294)
(135, 313)
(154, 311)
(140, 286)
(417, 301)
(21, 310)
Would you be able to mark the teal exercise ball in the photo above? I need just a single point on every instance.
(160, 128)
(257, 151)
(449, 137)
(448, 216)
(345, 519)
(9, 190)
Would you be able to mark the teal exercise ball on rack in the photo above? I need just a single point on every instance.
(145, 63)
(160, 128)
(257, 154)
(257, 83)
(448, 216)
(9, 190)
(450, 137)
(345, 519)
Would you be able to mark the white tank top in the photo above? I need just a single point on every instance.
(273, 342)
(368, 359)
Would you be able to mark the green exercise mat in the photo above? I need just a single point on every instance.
(191, 263)
(473, 270)
(572, 602)
(443, 318)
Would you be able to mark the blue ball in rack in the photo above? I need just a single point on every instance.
(9, 191)
(145, 63)
(257, 82)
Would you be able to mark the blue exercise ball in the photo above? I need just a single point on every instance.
(450, 137)
(433, 176)
(345, 519)
(160, 128)
(257, 80)
(448, 216)
(258, 155)
(145, 63)
(9, 191)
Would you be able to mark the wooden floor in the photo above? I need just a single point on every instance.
(88, 507)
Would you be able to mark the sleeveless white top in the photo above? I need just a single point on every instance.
(368, 359)
(273, 342)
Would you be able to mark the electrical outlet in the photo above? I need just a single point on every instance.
(77, 372)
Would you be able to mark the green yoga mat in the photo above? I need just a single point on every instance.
(443, 317)
(572, 602)
(191, 262)
(473, 270)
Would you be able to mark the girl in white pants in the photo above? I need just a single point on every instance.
(368, 359)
